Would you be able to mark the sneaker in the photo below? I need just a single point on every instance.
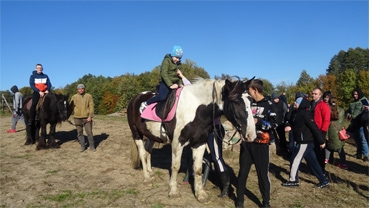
(82, 149)
(323, 185)
(326, 161)
(365, 159)
(142, 107)
(290, 183)
(343, 166)
(11, 131)
(92, 149)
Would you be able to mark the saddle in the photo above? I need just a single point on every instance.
(38, 106)
(164, 110)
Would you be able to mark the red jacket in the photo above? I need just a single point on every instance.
(321, 115)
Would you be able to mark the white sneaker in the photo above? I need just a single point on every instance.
(142, 107)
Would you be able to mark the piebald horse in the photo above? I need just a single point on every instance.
(198, 105)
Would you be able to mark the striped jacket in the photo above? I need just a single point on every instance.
(39, 82)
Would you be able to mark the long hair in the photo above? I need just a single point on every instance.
(334, 114)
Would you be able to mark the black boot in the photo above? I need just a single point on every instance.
(225, 180)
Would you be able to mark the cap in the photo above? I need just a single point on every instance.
(80, 86)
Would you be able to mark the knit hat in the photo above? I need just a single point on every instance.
(274, 95)
(299, 100)
(176, 51)
(80, 86)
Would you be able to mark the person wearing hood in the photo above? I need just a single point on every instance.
(83, 112)
(170, 79)
(280, 109)
(17, 109)
(358, 110)
(305, 132)
(256, 151)
(41, 85)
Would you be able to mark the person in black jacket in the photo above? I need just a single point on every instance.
(256, 151)
(305, 131)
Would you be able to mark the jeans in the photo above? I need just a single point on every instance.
(164, 90)
(16, 118)
(361, 142)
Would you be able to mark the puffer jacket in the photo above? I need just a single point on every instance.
(303, 126)
(334, 143)
(169, 71)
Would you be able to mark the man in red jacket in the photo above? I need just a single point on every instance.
(321, 115)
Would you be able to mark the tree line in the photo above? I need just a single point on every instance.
(346, 71)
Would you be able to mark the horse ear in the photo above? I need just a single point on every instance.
(248, 82)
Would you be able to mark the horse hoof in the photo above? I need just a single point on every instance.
(174, 194)
(202, 196)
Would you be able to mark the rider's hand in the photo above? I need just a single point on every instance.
(41, 94)
(174, 86)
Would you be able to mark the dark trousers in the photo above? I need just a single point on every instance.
(163, 92)
(215, 146)
(320, 154)
(280, 130)
(35, 100)
(259, 155)
(307, 152)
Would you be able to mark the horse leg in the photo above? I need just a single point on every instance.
(51, 140)
(42, 139)
(149, 147)
(142, 155)
(198, 154)
(175, 166)
(30, 135)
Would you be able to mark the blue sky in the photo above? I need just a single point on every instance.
(274, 40)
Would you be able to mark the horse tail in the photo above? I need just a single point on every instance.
(135, 158)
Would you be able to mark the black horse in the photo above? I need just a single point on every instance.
(53, 110)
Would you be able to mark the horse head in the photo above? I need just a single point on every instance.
(237, 108)
(62, 105)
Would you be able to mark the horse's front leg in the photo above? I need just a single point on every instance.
(142, 155)
(198, 154)
(176, 163)
(51, 140)
(42, 139)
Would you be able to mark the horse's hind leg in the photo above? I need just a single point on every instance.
(42, 139)
(149, 147)
(30, 135)
(142, 155)
(51, 140)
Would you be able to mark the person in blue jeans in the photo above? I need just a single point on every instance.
(355, 109)
(305, 131)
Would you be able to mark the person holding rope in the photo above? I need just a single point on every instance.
(83, 112)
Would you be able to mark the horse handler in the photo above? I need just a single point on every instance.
(83, 112)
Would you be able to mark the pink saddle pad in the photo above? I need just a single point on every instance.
(149, 112)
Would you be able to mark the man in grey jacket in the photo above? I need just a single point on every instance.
(17, 109)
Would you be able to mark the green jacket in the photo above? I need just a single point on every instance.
(168, 71)
(83, 105)
(355, 108)
(334, 143)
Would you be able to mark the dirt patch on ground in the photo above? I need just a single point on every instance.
(65, 177)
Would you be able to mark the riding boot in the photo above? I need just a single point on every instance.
(225, 180)
(82, 142)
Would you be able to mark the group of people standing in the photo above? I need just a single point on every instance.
(312, 126)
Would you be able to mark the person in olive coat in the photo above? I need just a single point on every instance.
(334, 144)
(170, 79)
